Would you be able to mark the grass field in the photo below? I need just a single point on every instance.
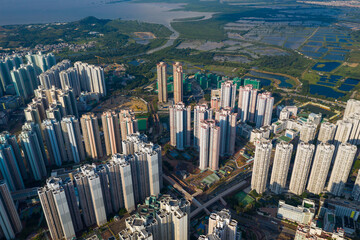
(243, 198)
(315, 109)
(349, 70)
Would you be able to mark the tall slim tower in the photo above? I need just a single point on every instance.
(201, 112)
(228, 94)
(180, 125)
(91, 134)
(246, 104)
(73, 139)
(209, 145)
(128, 123)
(280, 168)
(162, 81)
(10, 223)
(354, 118)
(352, 106)
(34, 150)
(264, 107)
(301, 169)
(54, 141)
(56, 209)
(178, 82)
(261, 166)
(307, 132)
(356, 190)
(327, 132)
(227, 123)
(320, 168)
(111, 128)
(341, 170)
(343, 132)
(90, 195)
(121, 184)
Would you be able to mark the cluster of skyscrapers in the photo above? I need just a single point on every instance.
(214, 129)
(66, 138)
(102, 190)
(324, 167)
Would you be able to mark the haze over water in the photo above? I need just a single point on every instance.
(48, 11)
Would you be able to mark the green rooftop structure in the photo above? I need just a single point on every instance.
(209, 180)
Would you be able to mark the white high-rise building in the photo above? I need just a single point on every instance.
(91, 135)
(90, 195)
(327, 132)
(228, 94)
(261, 166)
(301, 168)
(73, 139)
(128, 123)
(244, 102)
(180, 125)
(54, 141)
(308, 132)
(354, 118)
(227, 123)
(91, 78)
(343, 132)
(201, 112)
(111, 129)
(55, 201)
(264, 109)
(162, 82)
(221, 226)
(356, 190)
(320, 168)
(121, 184)
(69, 78)
(209, 145)
(341, 169)
(352, 106)
(280, 167)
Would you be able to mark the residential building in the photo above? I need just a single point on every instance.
(320, 168)
(354, 118)
(60, 208)
(10, 223)
(164, 218)
(352, 106)
(120, 183)
(314, 118)
(261, 166)
(201, 112)
(264, 108)
(308, 132)
(54, 142)
(343, 132)
(327, 132)
(180, 125)
(215, 103)
(90, 195)
(34, 150)
(91, 78)
(69, 78)
(111, 129)
(128, 123)
(228, 95)
(247, 103)
(310, 231)
(227, 123)
(91, 135)
(301, 168)
(343, 162)
(280, 167)
(146, 166)
(73, 139)
(162, 82)
(209, 144)
(41, 61)
(356, 190)
(221, 226)
(178, 82)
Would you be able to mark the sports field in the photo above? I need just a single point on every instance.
(244, 198)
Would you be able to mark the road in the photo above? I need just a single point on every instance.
(217, 198)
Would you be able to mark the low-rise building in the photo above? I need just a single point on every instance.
(301, 214)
